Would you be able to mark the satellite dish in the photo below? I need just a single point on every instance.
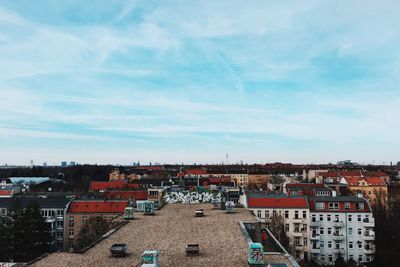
(49, 189)
(23, 189)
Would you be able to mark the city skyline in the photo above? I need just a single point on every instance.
(121, 81)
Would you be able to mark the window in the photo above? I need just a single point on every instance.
(350, 244)
(59, 234)
(322, 258)
(296, 214)
(274, 213)
(319, 205)
(84, 219)
(333, 205)
(59, 224)
(359, 205)
(296, 227)
(305, 241)
(337, 245)
(304, 214)
(286, 227)
(313, 218)
(321, 218)
(321, 231)
(360, 257)
(336, 218)
(286, 214)
(297, 241)
(359, 231)
(359, 244)
(329, 244)
(350, 231)
(321, 244)
(259, 213)
(328, 217)
(71, 221)
(359, 218)
(350, 218)
(305, 228)
(329, 231)
(351, 257)
(60, 213)
(330, 258)
(71, 233)
(266, 213)
(347, 205)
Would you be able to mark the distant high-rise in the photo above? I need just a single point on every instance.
(72, 163)
(63, 164)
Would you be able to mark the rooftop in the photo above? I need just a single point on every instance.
(169, 231)
(266, 201)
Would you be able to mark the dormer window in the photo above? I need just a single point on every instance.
(359, 206)
(333, 205)
(319, 205)
(347, 205)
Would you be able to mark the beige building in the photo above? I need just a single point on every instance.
(80, 211)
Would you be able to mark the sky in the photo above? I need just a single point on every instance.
(116, 82)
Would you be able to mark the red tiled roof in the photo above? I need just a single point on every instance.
(128, 194)
(375, 174)
(80, 206)
(276, 202)
(371, 181)
(6, 192)
(97, 186)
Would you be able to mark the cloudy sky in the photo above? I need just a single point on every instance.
(189, 81)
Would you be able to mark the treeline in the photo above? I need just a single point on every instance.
(24, 234)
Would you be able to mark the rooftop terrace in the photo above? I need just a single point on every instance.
(170, 230)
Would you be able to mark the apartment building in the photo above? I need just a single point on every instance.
(371, 188)
(293, 211)
(341, 226)
(80, 211)
(52, 209)
(320, 227)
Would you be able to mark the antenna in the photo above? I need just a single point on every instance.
(227, 159)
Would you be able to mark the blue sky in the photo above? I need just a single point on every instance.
(189, 81)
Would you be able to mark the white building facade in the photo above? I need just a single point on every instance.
(341, 227)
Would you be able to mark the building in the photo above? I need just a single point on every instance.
(372, 188)
(320, 227)
(341, 226)
(305, 189)
(52, 209)
(156, 194)
(292, 212)
(80, 211)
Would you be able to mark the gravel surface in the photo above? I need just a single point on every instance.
(169, 231)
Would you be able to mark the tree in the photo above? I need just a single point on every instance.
(28, 233)
(91, 231)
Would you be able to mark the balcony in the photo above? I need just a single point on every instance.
(338, 250)
(315, 250)
(369, 249)
(338, 224)
(337, 237)
(315, 237)
(297, 233)
(370, 222)
(297, 220)
(298, 247)
(315, 224)
(369, 236)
